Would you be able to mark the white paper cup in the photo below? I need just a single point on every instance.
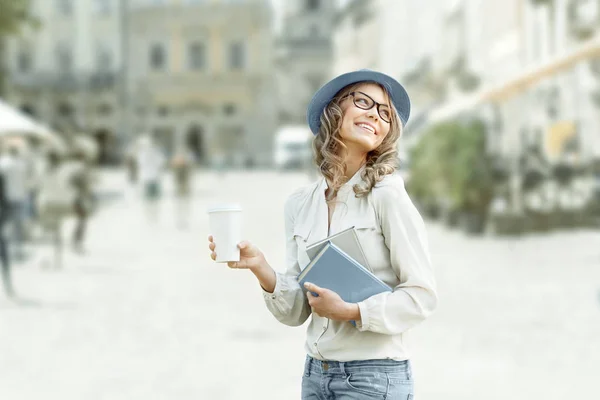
(225, 221)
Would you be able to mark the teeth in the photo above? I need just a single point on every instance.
(367, 127)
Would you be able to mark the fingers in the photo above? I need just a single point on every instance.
(235, 264)
(313, 288)
(211, 246)
(210, 238)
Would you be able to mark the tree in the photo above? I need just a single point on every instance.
(13, 15)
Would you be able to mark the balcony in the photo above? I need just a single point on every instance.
(359, 11)
(304, 46)
(204, 81)
(541, 2)
(64, 81)
(202, 13)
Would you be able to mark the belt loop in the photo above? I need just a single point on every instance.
(408, 370)
(342, 370)
(307, 364)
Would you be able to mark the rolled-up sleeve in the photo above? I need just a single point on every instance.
(287, 303)
(414, 298)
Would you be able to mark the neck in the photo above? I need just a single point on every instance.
(353, 164)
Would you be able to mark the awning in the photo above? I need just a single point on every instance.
(519, 83)
(533, 75)
(14, 122)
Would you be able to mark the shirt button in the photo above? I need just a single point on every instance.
(315, 343)
(273, 297)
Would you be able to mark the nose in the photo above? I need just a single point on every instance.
(372, 113)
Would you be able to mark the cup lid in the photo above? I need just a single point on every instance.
(225, 207)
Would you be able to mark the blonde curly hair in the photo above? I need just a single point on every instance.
(328, 148)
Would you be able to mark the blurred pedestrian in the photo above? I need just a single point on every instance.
(357, 119)
(36, 164)
(14, 167)
(55, 202)
(131, 163)
(83, 204)
(183, 167)
(151, 163)
(4, 257)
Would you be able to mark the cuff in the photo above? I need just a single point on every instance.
(276, 292)
(363, 324)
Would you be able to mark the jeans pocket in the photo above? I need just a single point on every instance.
(369, 383)
(400, 389)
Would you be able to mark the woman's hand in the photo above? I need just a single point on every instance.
(329, 304)
(250, 256)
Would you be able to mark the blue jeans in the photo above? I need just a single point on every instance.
(17, 215)
(369, 379)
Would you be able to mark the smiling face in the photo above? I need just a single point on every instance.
(363, 130)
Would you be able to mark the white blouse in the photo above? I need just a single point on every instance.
(392, 234)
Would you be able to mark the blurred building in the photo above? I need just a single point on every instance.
(529, 68)
(195, 73)
(201, 76)
(303, 55)
(65, 72)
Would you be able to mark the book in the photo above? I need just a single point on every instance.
(335, 270)
(347, 241)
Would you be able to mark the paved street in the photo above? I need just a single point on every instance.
(147, 315)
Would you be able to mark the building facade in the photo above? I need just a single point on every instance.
(200, 75)
(66, 72)
(303, 55)
(195, 74)
(529, 68)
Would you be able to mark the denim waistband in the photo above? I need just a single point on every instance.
(344, 367)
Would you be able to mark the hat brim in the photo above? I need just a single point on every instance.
(326, 93)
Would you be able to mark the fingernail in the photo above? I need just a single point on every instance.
(306, 285)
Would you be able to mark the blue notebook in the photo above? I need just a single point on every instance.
(333, 269)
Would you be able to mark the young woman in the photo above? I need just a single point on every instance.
(357, 119)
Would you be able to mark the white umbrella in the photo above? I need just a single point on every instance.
(14, 122)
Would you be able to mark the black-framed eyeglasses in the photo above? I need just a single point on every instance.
(365, 102)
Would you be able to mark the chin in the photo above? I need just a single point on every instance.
(366, 145)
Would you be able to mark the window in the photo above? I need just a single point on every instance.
(102, 7)
(229, 109)
(237, 55)
(24, 61)
(158, 56)
(163, 110)
(65, 110)
(104, 109)
(313, 5)
(197, 56)
(64, 58)
(103, 59)
(64, 7)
